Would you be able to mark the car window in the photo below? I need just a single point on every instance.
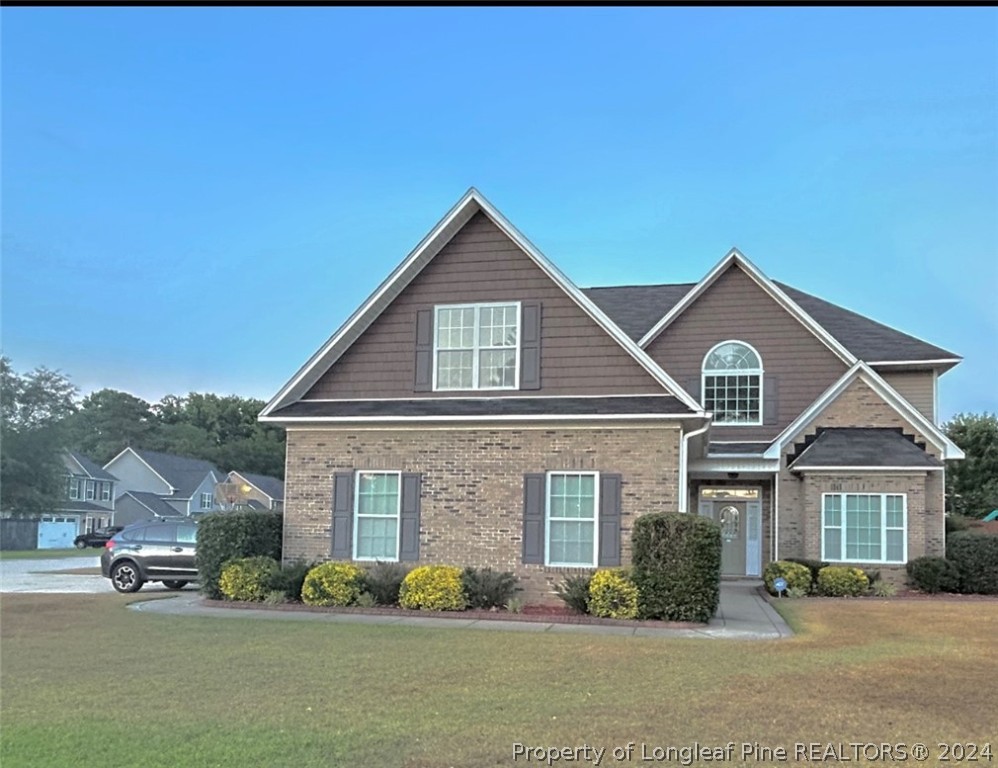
(135, 534)
(187, 534)
(164, 533)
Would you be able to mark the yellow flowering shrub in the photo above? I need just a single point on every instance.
(332, 584)
(247, 578)
(842, 581)
(612, 595)
(433, 588)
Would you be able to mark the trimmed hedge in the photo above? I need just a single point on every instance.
(289, 580)
(224, 536)
(933, 574)
(433, 588)
(612, 595)
(486, 589)
(333, 584)
(797, 575)
(248, 578)
(676, 566)
(842, 581)
(814, 566)
(382, 581)
(975, 556)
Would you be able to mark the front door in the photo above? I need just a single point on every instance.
(730, 515)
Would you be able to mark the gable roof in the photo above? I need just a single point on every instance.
(181, 473)
(155, 504)
(269, 486)
(637, 309)
(90, 468)
(887, 393)
(869, 448)
(471, 202)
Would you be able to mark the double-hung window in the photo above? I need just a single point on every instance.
(90, 490)
(732, 383)
(74, 489)
(476, 346)
(207, 500)
(571, 514)
(377, 506)
(105, 491)
(864, 527)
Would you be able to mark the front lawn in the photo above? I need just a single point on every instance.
(86, 682)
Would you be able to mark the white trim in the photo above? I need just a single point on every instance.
(937, 361)
(745, 464)
(817, 468)
(417, 398)
(759, 371)
(77, 462)
(871, 378)
(470, 203)
(734, 256)
(356, 514)
(472, 427)
(483, 418)
(684, 465)
(136, 455)
(476, 349)
(547, 517)
(775, 552)
(883, 529)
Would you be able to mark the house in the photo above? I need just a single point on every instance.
(162, 484)
(90, 495)
(250, 491)
(480, 409)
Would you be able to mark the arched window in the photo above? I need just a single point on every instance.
(732, 383)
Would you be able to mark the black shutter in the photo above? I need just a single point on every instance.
(409, 523)
(533, 518)
(424, 350)
(770, 405)
(530, 345)
(609, 520)
(342, 515)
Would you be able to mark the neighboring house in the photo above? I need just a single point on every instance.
(90, 495)
(134, 506)
(480, 409)
(255, 491)
(186, 485)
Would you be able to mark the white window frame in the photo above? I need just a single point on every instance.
(211, 500)
(844, 558)
(74, 489)
(760, 372)
(91, 491)
(477, 349)
(547, 518)
(357, 515)
(105, 491)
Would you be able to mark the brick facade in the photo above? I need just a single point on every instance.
(472, 485)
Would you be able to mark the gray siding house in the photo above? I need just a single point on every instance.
(185, 486)
(90, 494)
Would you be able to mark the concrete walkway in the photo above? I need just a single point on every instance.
(743, 615)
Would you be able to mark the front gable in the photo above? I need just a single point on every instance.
(481, 264)
(798, 366)
(136, 475)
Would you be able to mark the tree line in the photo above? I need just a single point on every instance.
(42, 414)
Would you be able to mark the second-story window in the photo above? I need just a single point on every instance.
(105, 491)
(732, 383)
(90, 490)
(74, 488)
(206, 500)
(477, 346)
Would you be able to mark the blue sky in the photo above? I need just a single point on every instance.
(194, 199)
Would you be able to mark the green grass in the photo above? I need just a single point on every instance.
(49, 554)
(86, 682)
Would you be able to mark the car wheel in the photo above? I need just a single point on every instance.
(125, 577)
(80, 544)
(175, 584)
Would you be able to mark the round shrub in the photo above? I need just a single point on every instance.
(933, 574)
(842, 581)
(613, 595)
(332, 584)
(975, 556)
(433, 588)
(797, 575)
(247, 578)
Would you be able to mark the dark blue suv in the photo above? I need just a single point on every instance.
(153, 550)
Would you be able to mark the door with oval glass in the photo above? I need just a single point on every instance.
(730, 515)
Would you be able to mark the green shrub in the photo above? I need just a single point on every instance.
(933, 574)
(676, 566)
(613, 595)
(247, 578)
(975, 556)
(842, 581)
(433, 588)
(574, 592)
(486, 588)
(814, 566)
(383, 581)
(224, 536)
(515, 605)
(955, 523)
(290, 578)
(366, 600)
(275, 597)
(885, 589)
(797, 592)
(797, 575)
(332, 584)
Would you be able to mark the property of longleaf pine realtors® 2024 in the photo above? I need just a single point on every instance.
(748, 750)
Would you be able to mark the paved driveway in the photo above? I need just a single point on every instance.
(39, 576)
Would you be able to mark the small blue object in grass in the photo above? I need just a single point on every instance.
(780, 585)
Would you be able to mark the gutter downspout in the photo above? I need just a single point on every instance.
(684, 454)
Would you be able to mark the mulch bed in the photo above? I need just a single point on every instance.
(538, 614)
